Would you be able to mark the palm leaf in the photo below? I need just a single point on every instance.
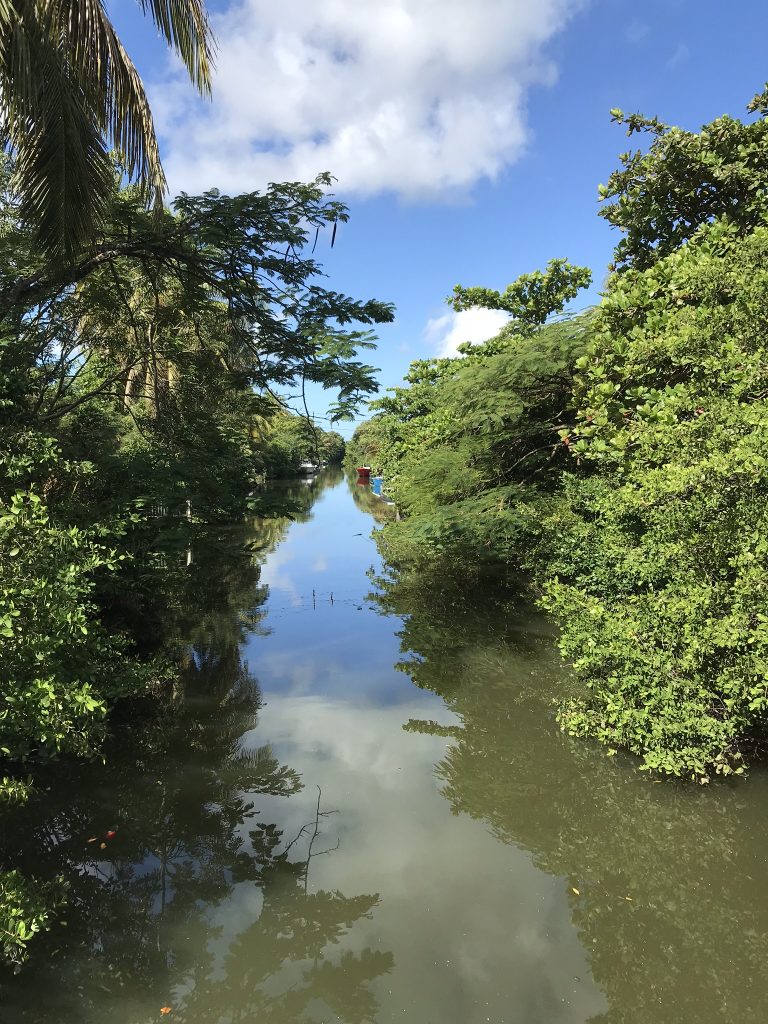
(185, 27)
(68, 90)
(62, 172)
(107, 75)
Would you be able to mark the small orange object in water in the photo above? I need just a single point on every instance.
(111, 834)
(165, 1009)
(102, 846)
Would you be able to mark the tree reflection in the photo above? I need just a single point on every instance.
(279, 966)
(367, 501)
(668, 876)
(282, 502)
(194, 904)
(187, 897)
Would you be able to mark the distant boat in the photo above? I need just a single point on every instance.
(363, 474)
(307, 468)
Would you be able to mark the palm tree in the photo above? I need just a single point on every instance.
(69, 92)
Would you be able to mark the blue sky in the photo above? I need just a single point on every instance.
(468, 136)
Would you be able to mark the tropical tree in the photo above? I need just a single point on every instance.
(662, 194)
(472, 446)
(620, 458)
(68, 92)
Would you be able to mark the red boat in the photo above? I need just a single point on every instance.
(364, 473)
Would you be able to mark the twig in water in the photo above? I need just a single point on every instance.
(318, 815)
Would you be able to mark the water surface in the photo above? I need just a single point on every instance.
(359, 809)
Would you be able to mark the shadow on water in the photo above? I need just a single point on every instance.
(666, 882)
(160, 843)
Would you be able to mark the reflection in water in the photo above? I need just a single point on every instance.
(665, 883)
(158, 845)
(365, 499)
(333, 843)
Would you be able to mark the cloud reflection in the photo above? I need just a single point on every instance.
(477, 932)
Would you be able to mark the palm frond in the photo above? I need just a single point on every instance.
(108, 76)
(129, 121)
(258, 760)
(69, 90)
(184, 25)
(62, 172)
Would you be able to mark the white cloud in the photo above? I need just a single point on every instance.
(413, 96)
(680, 56)
(636, 31)
(474, 325)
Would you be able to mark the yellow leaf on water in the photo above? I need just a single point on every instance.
(628, 898)
(93, 839)
(576, 891)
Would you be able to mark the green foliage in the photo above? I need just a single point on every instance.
(26, 907)
(471, 451)
(660, 577)
(643, 520)
(292, 440)
(332, 447)
(139, 383)
(661, 197)
(141, 378)
(14, 791)
(57, 664)
(70, 92)
(186, 795)
(689, 861)
(532, 298)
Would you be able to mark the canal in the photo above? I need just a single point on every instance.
(359, 808)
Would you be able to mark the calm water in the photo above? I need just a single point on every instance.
(360, 810)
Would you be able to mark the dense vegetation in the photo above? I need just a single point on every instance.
(149, 362)
(69, 94)
(616, 459)
(141, 403)
(613, 460)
